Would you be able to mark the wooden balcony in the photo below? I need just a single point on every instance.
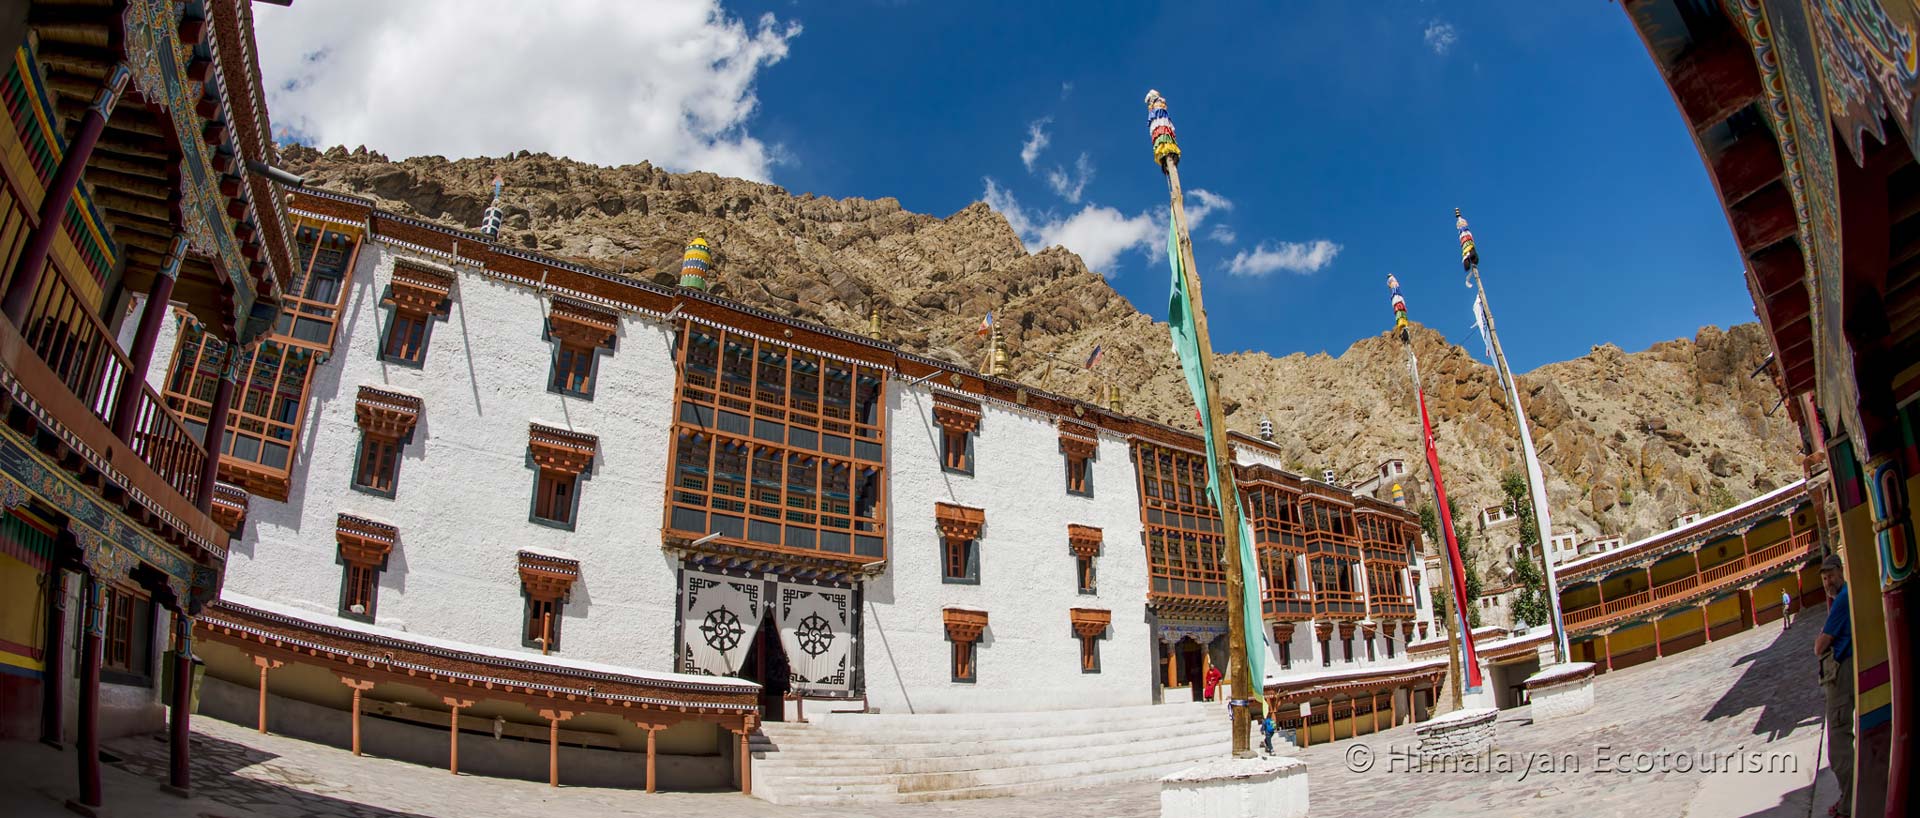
(1392, 606)
(1706, 583)
(1287, 605)
(1339, 605)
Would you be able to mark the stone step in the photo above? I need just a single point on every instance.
(922, 721)
(1056, 782)
(911, 773)
(832, 755)
(850, 735)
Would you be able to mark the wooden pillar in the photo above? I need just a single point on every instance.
(53, 205)
(1393, 701)
(1375, 701)
(89, 800)
(1751, 610)
(127, 413)
(453, 731)
(1606, 650)
(53, 679)
(216, 437)
(265, 665)
(180, 770)
(1706, 622)
(746, 762)
(652, 754)
(359, 686)
(554, 717)
(1306, 726)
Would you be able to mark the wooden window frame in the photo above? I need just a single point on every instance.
(956, 452)
(416, 298)
(777, 448)
(561, 460)
(546, 582)
(1085, 544)
(959, 528)
(964, 628)
(958, 421)
(268, 411)
(363, 549)
(386, 420)
(579, 332)
(320, 257)
(1089, 627)
(126, 645)
(1079, 445)
(534, 623)
(405, 341)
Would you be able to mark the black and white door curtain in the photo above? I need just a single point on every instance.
(720, 616)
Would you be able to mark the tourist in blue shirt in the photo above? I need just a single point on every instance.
(1834, 650)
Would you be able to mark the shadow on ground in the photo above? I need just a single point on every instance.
(217, 768)
(1782, 679)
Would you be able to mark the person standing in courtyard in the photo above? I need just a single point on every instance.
(1212, 682)
(1786, 609)
(1833, 648)
(1267, 729)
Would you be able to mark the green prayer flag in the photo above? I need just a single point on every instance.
(1186, 344)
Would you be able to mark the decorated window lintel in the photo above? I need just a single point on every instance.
(547, 580)
(364, 546)
(958, 421)
(964, 627)
(1089, 625)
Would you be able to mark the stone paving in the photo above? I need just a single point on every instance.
(1753, 692)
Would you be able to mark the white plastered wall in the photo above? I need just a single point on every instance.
(465, 484)
(1028, 658)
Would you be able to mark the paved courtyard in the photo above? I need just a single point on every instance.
(1751, 692)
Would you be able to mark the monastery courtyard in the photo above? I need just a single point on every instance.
(1753, 690)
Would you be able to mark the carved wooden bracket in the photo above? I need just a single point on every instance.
(561, 450)
(386, 414)
(420, 290)
(1283, 632)
(955, 415)
(1346, 630)
(1323, 630)
(1089, 623)
(958, 522)
(229, 506)
(547, 577)
(964, 625)
(1406, 631)
(364, 542)
(1083, 540)
(579, 324)
(1078, 439)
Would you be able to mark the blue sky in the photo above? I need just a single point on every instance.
(1311, 124)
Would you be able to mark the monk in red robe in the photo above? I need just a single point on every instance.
(1213, 680)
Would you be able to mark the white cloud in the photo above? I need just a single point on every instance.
(1036, 142)
(1441, 36)
(1071, 185)
(1293, 257)
(1100, 235)
(1223, 234)
(603, 81)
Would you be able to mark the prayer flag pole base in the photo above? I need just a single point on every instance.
(1262, 787)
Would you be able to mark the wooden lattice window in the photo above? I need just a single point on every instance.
(805, 431)
(406, 340)
(964, 627)
(269, 403)
(543, 628)
(357, 590)
(560, 458)
(119, 637)
(310, 306)
(1183, 531)
(379, 464)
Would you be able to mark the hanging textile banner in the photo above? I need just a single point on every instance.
(816, 631)
(719, 616)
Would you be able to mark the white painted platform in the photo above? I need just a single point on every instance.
(1271, 787)
(852, 758)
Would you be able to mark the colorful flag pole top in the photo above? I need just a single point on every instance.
(1187, 322)
(1093, 358)
(1399, 304)
(986, 324)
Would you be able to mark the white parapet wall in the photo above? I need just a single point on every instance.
(1460, 734)
(1560, 691)
(1271, 787)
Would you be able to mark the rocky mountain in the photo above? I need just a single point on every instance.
(1629, 440)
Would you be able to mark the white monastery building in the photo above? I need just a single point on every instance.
(576, 517)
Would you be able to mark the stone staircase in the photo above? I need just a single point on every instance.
(856, 758)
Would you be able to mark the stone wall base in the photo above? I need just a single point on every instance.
(1270, 787)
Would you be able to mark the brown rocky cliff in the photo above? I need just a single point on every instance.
(1629, 440)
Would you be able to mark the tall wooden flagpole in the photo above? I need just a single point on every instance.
(1167, 154)
(1461, 653)
(1536, 479)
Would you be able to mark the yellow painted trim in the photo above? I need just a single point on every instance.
(10, 658)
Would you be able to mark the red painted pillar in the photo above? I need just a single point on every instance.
(180, 779)
(216, 439)
(88, 800)
(53, 207)
(53, 680)
(127, 413)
